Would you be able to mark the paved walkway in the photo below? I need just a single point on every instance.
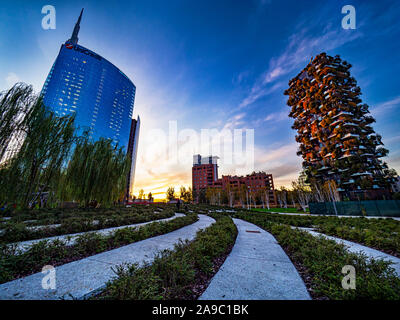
(358, 248)
(257, 268)
(325, 215)
(82, 278)
(70, 239)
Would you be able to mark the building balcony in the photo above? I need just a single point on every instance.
(350, 135)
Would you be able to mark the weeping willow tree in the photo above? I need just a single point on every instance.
(14, 106)
(97, 171)
(43, 141)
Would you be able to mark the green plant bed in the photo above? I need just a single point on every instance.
(14, 265)
(19, 231)
(57, 215)
(381, 234)
(320, 262)
(283, 210)
(376, 235)
(181, 273)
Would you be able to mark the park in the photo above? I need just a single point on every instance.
(201, 252)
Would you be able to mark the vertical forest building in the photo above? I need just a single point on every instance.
(337, 141)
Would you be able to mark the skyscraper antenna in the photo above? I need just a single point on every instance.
(74, 37)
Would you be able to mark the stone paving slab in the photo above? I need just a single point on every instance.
(256, 269)
(52, 226)
(83, 278)
(358, 248)
(70, 239)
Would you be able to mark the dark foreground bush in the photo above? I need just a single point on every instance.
(322, 261)
(173, 273)
(13, 265)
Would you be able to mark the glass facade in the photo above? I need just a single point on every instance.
(82, 82)
(132, 151)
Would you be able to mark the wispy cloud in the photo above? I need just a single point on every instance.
(393, 139)
(265, 156)
(235, 122)
(301, 46)
(277, 116)
(385, 106)
(240, 78)
(282, 162)
(11, 79)
(258, 91)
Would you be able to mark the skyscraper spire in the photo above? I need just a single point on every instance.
(74, 37)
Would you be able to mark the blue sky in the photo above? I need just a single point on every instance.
(216, 64)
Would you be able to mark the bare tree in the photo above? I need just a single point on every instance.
(283, 197)
(267, 198)
(318, 193)
(231, 195)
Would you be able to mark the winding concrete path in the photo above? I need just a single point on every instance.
(256, 269)
(70, 239)
(358, 248)
(83, 278)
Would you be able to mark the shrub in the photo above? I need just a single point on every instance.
(173, 271)
(14, 264)
(73, 221)
(324, 259)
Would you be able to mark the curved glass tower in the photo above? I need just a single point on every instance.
(102, 96)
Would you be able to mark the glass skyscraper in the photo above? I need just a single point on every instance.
(102, 96)
(132, 150)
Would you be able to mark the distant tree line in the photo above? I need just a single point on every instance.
(184, 194)
(299, 195)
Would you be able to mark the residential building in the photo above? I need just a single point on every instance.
(205, 175)
(256, 183)
(204, 172)
(337, 141)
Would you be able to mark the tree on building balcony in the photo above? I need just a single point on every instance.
(334, 127)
